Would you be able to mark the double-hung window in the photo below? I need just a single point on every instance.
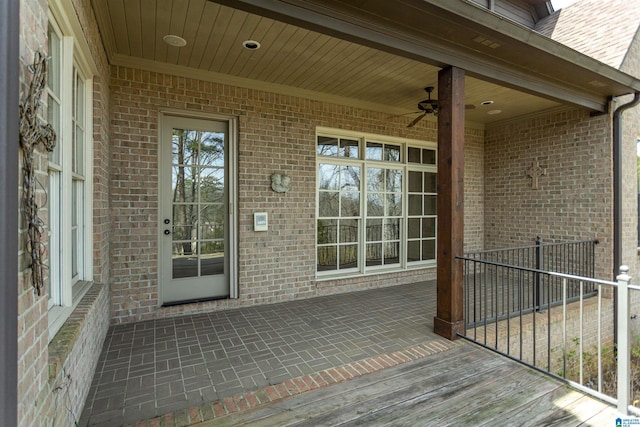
(69, 190)
(376, 203)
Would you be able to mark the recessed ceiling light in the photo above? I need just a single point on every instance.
(494, 112)
(173, 40)
(486, 102)
(251, 44)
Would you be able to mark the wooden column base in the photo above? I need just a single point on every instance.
(447, 329)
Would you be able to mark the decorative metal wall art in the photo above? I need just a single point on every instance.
(34, 131)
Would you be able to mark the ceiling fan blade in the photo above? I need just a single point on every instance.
(402, 115)
(416, 120)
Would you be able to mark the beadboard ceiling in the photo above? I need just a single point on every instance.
(291, 59)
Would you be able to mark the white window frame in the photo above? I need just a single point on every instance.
(363, 164)
(67, 290)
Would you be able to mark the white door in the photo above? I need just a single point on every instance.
(196, 229)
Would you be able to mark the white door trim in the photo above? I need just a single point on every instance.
(232, 123)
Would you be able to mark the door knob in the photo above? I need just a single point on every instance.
(167, 221)
(167, 232)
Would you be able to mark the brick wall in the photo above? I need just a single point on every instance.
(33, 400)
(574, 199)
(631, 134)
(276, 134)
(55, 401)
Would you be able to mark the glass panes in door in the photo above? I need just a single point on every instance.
(198, 203)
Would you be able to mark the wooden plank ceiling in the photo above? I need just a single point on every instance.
(289, 56)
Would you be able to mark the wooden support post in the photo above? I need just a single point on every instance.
(450, 318)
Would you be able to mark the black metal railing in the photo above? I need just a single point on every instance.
(502, 283)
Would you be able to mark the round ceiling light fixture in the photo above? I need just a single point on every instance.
(488, 102)
(173, 40)
(251, 44)
(494, 112)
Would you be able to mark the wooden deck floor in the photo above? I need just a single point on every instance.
(465, 386)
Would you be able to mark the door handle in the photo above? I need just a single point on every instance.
(167, 232)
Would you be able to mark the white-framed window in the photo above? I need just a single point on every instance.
(69, 202)
(376, 203)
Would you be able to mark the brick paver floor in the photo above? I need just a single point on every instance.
(165, 367)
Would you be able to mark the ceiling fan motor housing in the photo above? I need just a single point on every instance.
(428, 105)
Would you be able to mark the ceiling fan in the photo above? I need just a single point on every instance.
(429, 106)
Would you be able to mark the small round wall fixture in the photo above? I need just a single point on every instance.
(251, 44)
(173, 40)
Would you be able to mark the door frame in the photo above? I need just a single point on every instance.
(232, 123)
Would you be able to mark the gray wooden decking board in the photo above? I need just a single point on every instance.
(465, 386)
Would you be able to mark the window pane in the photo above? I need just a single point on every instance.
(413, 228)
(349, 148)
(74, 252)
(328, 204)
(53, 67)
(328, 177)
(53, 118)
(350, 178)
(375, 179)
(428, 249)
(392, 253)
(414, 155)
(374, 254)
(374, 151)
(430, 182)
(348, 231)
(415, 204)
(430, 207)
(327, 146)
(349, 204)
(184, 260)
(428, 157)
(79, 151)
(212, 149)
(428, 227)
(211, 185)
(375, 204)
(392, 229)
(211, 258)
(413, 250)
(392, 153)
(327, 231)
(184, 220)
(374, 230)
(212, 221)
(394, 180)
(415, 182)
(79, 101)
(348, 256)
(394, 205)
(327, 258)
(185, 145)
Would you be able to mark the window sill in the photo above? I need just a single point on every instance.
(329, 276)
(62, 343)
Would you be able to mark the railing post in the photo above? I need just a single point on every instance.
(624, 361)
(538, 264)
